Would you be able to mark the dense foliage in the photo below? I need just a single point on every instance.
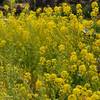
(47, 56)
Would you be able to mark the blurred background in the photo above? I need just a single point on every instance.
(34, 4)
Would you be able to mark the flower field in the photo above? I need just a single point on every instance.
(50, 54)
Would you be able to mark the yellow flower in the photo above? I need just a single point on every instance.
(97, 43)
(98, 93)
(93, 14)
(88, 98)
(98, 36)
(79, 11)
(66, 88)
(92, 73)
(90, 32)
(42, 60)
(80, 18)
(38, 84)
(95, 78)
(47, 77)
(94, 4)
(51, 24)
(43, 50)
(6, 7)
(59, 81)
(48, 62)
(82, 69)
(72, 16)
(64, 74)
(23, 89)
(98, 22)
(79, 86)
(63, 29)
(64, 4)
(96, 10)
(30, 95)
(48, 10)
(38, 10)
(95, 97)
(54, 62)
(72, 97)
(1, 14)
(83, 52)
(57, 9)
(89, 57)
(87, 85)
(35, 95)
(67, 9)
(52, 77)
(73, 57)
(89, 92)
(93, 67)
(81, 45)
(76, 91)
(87, 24)
(73, 68)
(27, 76)
(79, 62)
(61, 47)
(78, 6)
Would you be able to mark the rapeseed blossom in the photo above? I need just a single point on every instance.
(43, 50)
(82, 69)
(50, 53)
(52, 77)
(57, 10)
(95, 9)
(59, 82)
(27, 77)
(73, 57)
(61, 47)
(38, 84)
(72, 97)
(65, 89)
(64, 74)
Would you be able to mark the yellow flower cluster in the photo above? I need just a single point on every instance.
(48, 11)
(95, 9)
(79, 11)
(27, 77)
(66, 9)
(82, 69)
(43, 50)
(98, 22)
(57, 10)
(73, 57)
(38, 84)
(50, 54)
(61, 47)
